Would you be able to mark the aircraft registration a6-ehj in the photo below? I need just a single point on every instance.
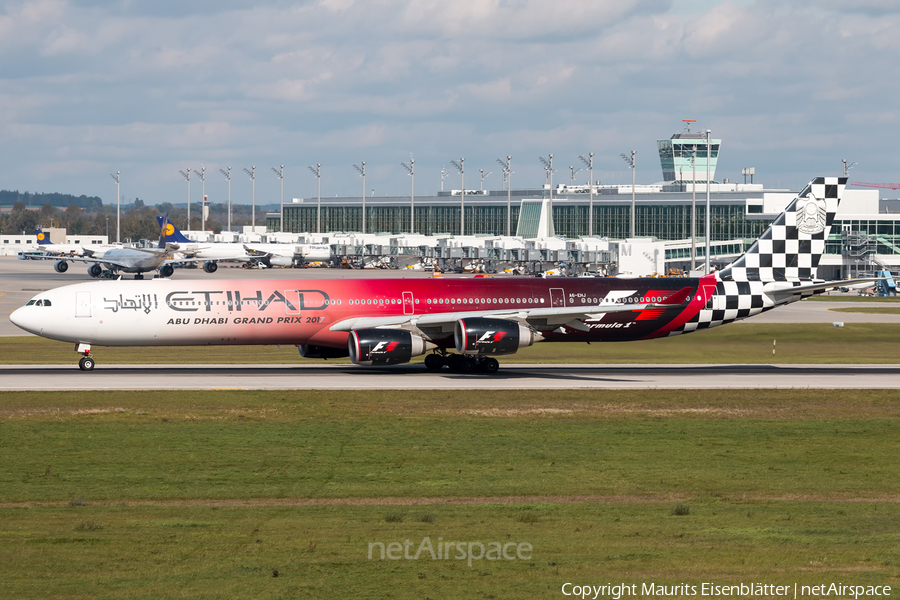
(389, 321)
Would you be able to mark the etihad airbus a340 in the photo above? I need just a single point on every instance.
(389, 321)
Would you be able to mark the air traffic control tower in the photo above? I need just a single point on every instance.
(684, 157)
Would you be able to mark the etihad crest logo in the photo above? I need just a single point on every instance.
(812, 216)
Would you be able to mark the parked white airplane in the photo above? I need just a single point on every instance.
(388, 321)
(285, 255)
(208, 252)
(130, 260)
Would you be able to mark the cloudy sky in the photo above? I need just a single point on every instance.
(151, 87)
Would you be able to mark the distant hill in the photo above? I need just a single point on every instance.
(36, 200)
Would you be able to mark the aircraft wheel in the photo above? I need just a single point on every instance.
(468, 365)
(434, 362)
(138, 275)
(455, 362)
(86, 363)
(490, 365)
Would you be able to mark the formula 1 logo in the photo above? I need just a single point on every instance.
(489, 337)
(384, 347)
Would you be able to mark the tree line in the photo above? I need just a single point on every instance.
(138, 221)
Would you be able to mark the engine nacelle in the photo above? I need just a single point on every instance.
(278, 260)
(61, 266)
(492, 336)
(385, 346)
(210, 266)
(95, 270)
(166, 271)
(309, 351)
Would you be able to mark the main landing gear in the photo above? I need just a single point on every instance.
(459, 363)
(87, 360)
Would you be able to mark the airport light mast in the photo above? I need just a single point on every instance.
(631, 163)
(411, 169)
(461, 167)
(227, 175)
(572, 172)
(280, 175)
(318, 173)
(362, 171)
(708, 216)
(187, 175)
(507, 175)
(252, 173)
(483, 175)
(444, 174)
(203, 208)
(548, 170)
(590, 165)
(118, 208)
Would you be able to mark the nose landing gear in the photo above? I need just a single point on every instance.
(87, 360)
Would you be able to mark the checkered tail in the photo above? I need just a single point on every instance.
(790, 249)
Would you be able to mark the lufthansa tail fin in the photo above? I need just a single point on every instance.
(172, 233)
(42, 238)
(790, 249)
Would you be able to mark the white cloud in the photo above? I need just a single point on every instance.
(788, 85)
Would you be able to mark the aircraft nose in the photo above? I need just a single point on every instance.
(26, 319)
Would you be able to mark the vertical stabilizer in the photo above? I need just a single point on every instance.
(790, 249)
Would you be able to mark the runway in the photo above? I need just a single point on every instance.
(416, 377)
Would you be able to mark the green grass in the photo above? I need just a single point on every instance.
(208, 494)
(871, 310)
(738, 343)
(870, 299)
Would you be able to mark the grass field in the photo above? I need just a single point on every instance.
(740, 343)
(211, 494)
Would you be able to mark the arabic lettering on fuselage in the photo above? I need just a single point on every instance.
(145, 302)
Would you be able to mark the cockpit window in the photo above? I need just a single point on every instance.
(46, 302)
(30, 302)
(39, 302)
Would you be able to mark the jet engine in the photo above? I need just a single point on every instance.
(277, 260)
(309, 351)
(166, 271)
(61, 266)
(95, 270)
(492, 336)
(210, 266)
(385, 346)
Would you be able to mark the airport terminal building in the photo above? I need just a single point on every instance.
(865, 236)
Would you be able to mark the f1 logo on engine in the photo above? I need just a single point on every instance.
(491, 336)
(384, 347)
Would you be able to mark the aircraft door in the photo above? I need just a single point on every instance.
(557, 298)
(408, 304)
(292, 302)
(82, 305)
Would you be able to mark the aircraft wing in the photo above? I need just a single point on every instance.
(106, 261)
(539, 318)
(776, 288)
